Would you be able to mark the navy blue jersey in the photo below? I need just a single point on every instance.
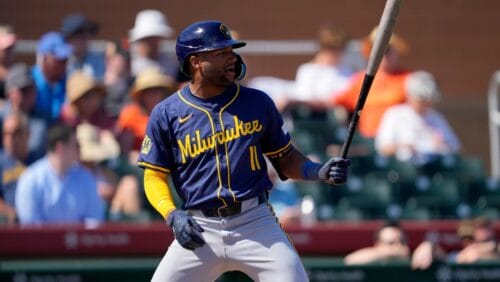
(214, 148)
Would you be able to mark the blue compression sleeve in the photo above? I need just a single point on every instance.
(310, 170)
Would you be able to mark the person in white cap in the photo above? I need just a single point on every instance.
(150, 28)
(415, 131)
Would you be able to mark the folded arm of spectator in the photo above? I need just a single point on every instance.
(425, 254)
(377, 253)
(478, 251)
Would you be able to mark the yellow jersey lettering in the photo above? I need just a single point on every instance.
(256, 126)
(185, 148)
(239, 126)
(196, 145)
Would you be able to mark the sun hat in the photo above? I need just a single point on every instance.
(80, 83)
(150, 23)
(96, 145)
(77, 23)
(53, 43)
(151, 78)
(423, 86)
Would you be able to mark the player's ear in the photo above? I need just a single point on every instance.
(194, 62)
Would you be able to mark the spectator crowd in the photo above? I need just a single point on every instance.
(73, 123)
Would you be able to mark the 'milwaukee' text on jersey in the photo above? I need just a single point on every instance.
(192, 146)
(214, 148)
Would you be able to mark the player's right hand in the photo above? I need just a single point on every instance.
(335, 171)
(186, 230)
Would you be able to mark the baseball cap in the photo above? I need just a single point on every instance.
(78, 23)
(150, 23)
(422, 85)
(52, 43)
(19, 77)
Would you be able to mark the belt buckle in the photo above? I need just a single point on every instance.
(220, 211)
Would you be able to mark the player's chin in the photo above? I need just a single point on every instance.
(230, 75)
(228, 78)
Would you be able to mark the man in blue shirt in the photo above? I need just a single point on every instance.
(56, 188)
(49, 75)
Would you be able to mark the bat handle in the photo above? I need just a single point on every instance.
(365, 88)
(350, 134)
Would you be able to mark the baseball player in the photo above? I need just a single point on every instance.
(212, 138)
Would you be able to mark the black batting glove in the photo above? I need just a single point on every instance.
(335, 171)
(186, 230)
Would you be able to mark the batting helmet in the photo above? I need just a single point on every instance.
(205, 36)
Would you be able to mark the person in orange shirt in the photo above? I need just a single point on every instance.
(387, 88)
(150, 87)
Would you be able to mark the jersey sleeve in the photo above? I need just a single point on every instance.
(155, 153)
(276, 141)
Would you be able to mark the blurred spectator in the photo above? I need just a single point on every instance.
(78, 31)
(21, 95)
(85, 102)
(483, 245)
(13, 159)
(7, 43)
(120, 195)
(117, 78)
(325, 73)
(150, 87)
(415, 131)
(49, 75)
(478, 243)
(387, 88)
(150, 29)
(57, 189)
(390, 244)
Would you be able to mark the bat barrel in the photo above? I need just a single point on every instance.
(383, 36)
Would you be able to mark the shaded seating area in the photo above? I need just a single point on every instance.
(444, 187)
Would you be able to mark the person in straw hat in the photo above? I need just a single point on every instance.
(85, 102)
(150, 29)
(150, 87)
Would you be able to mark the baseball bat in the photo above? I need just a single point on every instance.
(384, 32)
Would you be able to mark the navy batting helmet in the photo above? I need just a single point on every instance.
(204, 36)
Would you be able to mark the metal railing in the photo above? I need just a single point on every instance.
(494, 123)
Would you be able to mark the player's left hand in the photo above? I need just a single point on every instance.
(335, 171)
(186, 230)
